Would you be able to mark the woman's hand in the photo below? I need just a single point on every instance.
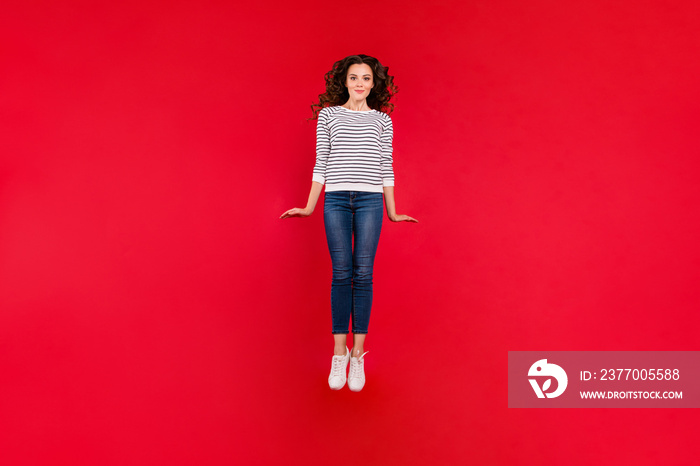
(402, 218)
(297, 212)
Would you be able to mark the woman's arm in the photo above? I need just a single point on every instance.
(313, 196)
(387, 170)
(389, 202)
(316, 188)
(391, 207)
(323, 150)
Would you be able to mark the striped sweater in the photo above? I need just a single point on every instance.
(354, 150)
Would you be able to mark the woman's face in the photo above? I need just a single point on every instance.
(359, 81)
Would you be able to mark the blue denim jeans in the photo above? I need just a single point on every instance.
(348, 214)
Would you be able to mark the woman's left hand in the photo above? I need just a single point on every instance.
(402, 218)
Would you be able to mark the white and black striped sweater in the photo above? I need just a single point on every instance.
(354, 150)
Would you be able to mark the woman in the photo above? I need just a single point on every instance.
(354, 160)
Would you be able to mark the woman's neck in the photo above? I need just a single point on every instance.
(357, 107)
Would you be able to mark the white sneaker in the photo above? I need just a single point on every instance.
(339, 364)
(356, 379)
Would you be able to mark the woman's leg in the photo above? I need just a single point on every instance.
(338, 221)
(341, 344)
(369, 212)
(358, 345)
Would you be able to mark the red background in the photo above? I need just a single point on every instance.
(154, 309)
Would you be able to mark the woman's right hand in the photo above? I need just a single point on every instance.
(296, 212)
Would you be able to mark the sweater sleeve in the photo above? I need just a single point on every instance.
(323, 147)
(387, 151)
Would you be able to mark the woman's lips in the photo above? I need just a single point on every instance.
(359, 92)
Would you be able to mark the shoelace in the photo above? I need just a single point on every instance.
(356, 369)
(337, 366)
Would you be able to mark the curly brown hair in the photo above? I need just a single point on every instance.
(337, 94)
